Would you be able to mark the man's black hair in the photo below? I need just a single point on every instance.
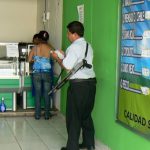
(76, 27)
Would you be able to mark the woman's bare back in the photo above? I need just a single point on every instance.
(42, 50)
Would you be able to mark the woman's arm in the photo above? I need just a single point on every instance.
(30, 57)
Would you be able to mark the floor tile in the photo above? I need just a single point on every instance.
(33, 145)
(26, 133)
(10, 146)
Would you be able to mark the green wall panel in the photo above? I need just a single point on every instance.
(6, 83)
(27, 81)
(102, 30)
(8, 100)
(30, 100)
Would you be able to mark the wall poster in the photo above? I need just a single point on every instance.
(134, 79)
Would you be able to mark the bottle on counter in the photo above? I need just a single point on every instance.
(2, 105)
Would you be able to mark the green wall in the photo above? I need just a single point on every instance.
(101, 30)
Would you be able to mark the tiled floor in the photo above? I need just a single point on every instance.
(26, 133)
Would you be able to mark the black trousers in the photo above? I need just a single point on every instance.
(80, 103)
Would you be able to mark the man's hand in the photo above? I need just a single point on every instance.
(60, 54)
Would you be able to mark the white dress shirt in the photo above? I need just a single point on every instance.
(75, 53)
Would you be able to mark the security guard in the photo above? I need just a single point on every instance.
(81, 90)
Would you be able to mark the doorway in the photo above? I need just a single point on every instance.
(49, 18)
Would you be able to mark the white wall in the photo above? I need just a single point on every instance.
(54, 26)
(40, 10)
(17, 20)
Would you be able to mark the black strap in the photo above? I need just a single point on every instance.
(85, 64)
(86, 50)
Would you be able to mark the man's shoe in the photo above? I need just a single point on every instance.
(82, 146)
(63, 148)
(91, 148)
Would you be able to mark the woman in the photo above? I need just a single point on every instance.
(40, 56)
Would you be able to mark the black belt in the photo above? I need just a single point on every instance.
(82, 80)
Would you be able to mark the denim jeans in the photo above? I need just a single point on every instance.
(41, 83)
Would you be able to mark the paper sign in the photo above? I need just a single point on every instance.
(12, 50)
(81, 13)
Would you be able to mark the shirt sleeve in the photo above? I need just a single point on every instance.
(71, 57)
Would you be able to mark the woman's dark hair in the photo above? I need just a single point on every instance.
(43, 35)
(35, 39)
(76, 27)
(35, 36)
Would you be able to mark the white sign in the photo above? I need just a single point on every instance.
(81, 13)
(12, 50)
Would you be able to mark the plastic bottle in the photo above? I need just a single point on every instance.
(2, 105)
